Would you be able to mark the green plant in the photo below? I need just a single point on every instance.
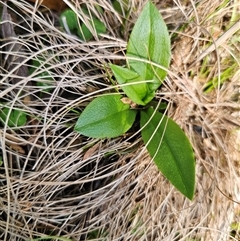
(217, 81)
(12, 117)
(43, 75)
(1, 161)
(108, 116)
(70, 22)
(121, 8)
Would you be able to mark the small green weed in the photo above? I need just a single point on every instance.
(108, 116)
(12, 117)
(72, 25)
(217, 81)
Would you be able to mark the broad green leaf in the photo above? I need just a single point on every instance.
(99, 26)
(17, 118)
(68, 20)
(84, 32)
(136, 88)
(150, 40)
(170, 149)
(122, 8)
(105, 117)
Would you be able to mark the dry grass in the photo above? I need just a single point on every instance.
(56, 182)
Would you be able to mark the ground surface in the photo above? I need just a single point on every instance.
(55, 182)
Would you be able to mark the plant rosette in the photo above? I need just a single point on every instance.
(148, 57)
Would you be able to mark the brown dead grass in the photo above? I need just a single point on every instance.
(56, 182)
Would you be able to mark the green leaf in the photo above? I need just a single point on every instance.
(16, 118)
(121, 8)
(37, 65)
(105, 117)
(68, 20)
(170, 149)
(85, 34)
(150, 40)
(99, 26)
(136, 88)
